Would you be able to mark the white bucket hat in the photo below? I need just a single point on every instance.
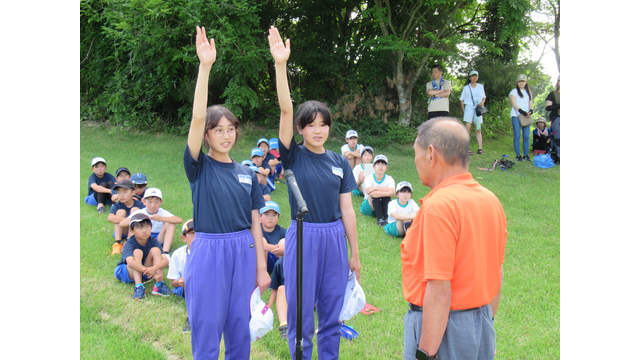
(354, 299)
(261, 317)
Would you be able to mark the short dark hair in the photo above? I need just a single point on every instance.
(307, 112)
(405, 189)
(214, 114)
(138, 224)
(453, 145)
(367, 150)
(439, 67)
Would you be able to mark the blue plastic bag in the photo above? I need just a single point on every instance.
(543, 161)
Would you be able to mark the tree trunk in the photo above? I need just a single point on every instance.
(404, 108)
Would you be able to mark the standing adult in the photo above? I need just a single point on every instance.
(452, 254)
(521, 104)
(553, 105)
(439, 90)
(472, 96)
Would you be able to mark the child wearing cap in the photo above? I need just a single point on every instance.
(121, 174)
(278, 295)
(164, 222)
(177, 264)
(273, 235)
(366, 154)
(257, 156)
(100, 184)
(142, 259)
(541, 136)
(120, 211)
(351, 150)
(276, 167)
(378, 189)
(401, 211)
(140, 181)
(266, 192)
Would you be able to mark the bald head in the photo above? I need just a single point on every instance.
(447, 135)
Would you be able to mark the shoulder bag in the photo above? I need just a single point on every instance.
(479, 109)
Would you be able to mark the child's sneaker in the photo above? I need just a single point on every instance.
(138, 294)
(162, 290)
(117, 248)
(187, 327)
(406, 225)
(284, 332)
(101, 210)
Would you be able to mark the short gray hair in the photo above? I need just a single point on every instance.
(452, 143)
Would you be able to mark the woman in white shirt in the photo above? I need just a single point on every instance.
(521, 104)
(473, 95)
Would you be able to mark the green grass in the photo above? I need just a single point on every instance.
(527, 323)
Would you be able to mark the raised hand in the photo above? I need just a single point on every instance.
(279, 50)
(206, 49)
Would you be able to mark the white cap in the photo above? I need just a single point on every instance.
(351, 133)
(402, 184)
(152, 192)
(354, 299)
(96, 160)
(261, 317)
(381, 158)
(366, 148)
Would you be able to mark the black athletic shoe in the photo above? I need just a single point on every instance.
(526, 158)
(382, 222)
(518, 158)
(187, 327)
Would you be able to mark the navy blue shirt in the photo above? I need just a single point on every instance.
(276, 235)
(119, 205)
(265, 190)
(94, 179)
(132, 244)
(321, 179)
(223, 194)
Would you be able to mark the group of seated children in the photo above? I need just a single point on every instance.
(377, 188)
(266, 158)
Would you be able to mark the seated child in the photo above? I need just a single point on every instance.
(246, 162)
(177, 263)
(541, 136)
(366, 154)
(140, 180)
(273, 235)
(278, 295)
(100, 184)
(402, 210)
(276, 166)
(163, 222)
(378, 189)
(142, 259)
(256, 158)
(266, 192)
(120, 211)
(351, 150)
(121, 174)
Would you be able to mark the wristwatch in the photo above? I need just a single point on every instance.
(422, 355)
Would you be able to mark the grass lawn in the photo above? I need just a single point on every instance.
(114, 327)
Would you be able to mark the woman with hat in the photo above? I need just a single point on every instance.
(521, 104)
(473, 95)
(541, 138)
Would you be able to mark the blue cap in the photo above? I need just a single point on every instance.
(270, 205)
(381, 158)
(247, 163)
(273, 144)
(254, 168)
(257, 152)
(138, 178)
(263, 140)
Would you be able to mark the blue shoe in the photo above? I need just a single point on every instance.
(162, 290)
(138, 294)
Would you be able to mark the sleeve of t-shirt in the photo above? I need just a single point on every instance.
(114, 208)
(287, 155)
(191, 166)
(265, 190)
(393, 208)
(344, 148)
(439, 245)
(174, 264)
(348, 183)
(283, 233)
(464, 93)
(127, 251)
(164, 213)
(391, 183)
(429, 85)
(514, 92)
(551, 97)
(414, 206)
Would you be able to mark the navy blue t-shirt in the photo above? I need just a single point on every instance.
(223, 194)
(94, 179)
(119, 205)
(265, 190)
(321, 179)
(276, 235)
(132, 244)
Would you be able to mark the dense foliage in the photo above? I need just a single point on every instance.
(368, 60)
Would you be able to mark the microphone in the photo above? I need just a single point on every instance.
(293, 185)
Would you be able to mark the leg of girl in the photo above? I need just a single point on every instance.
(515, 123)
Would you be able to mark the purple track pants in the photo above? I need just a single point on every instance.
(325, 273)
(220, 276)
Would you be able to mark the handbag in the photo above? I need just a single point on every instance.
(479, 109)
(525, 121)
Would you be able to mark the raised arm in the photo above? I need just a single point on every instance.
(207, 55)
(280, 53)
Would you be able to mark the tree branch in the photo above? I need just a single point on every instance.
(88, 51)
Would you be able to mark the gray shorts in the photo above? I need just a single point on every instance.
(469, 335)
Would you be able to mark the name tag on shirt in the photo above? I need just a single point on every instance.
(337, 171)
(245, 179)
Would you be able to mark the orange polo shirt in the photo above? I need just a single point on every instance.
(459, 234)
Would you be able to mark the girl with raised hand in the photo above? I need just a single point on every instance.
(222, 268)
(325, 182)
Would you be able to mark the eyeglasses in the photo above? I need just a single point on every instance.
(219, 131)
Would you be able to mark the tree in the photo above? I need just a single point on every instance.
(547, 31)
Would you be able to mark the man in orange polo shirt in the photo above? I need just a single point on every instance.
(453, 252)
